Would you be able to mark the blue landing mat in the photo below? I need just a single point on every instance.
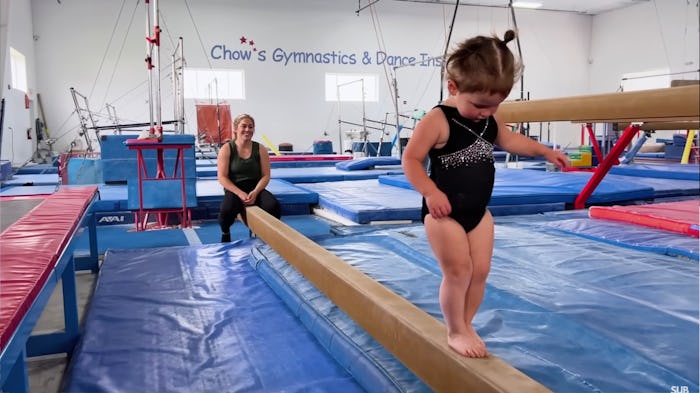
(207, 169)
(26, 190)
(368, 162)
(37, 169)
(574, 314)
(33, 180)
(286, 192)
(663, 188)
(608, 191)
(630, 235)
(514, 186)
(364, 201)
(329, 174)
(662, 171)
(342, 337)
(195, 319)
(293, 200)
(205, 162)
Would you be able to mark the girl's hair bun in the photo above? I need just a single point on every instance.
(508, 36)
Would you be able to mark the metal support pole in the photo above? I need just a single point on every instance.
(156, 64)
(149, 65)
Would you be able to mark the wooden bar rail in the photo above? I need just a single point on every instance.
(669, 104)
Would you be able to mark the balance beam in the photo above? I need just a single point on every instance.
(668, 104)
(673, 104)
(414, 337)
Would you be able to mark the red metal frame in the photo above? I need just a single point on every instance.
(605, 165)
(142, 214)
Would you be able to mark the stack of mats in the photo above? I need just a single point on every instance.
(667, 180)
(516, 191)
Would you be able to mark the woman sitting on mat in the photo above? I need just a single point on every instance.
(243, 169)
(459, 137)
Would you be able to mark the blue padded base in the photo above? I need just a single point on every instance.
(367, 163)
(630, 235)
(328, 174)
(365, 201)
(661, 171)
(518, 186)
(33, 180)
(582, 316)
(373, 366)
(195, 319)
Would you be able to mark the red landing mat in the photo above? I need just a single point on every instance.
(681, 217)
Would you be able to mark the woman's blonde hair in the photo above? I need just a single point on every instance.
(240, 117)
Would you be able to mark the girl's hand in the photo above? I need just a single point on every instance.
(557, 158)
(438, 204)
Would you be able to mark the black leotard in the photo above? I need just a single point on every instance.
(463, 168)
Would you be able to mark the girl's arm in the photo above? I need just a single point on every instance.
(517, 143)
(426, 135)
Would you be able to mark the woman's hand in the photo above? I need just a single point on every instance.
(250, 198)
(438, 204)
(242, 196)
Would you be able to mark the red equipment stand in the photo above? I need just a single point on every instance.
(143, 213)
(604, 165)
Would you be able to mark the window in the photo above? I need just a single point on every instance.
(352, 87)
(653, 79)
(18, 68)
(214, 84)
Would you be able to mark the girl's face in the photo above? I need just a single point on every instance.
(245, 129)
(475, 106)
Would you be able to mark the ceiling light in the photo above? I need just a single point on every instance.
(527, 4)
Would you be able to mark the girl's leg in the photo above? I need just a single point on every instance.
(452, 249)
(481, 241)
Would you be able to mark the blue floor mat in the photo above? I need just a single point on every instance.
(575, 314)
(662, 171)
(195, 319)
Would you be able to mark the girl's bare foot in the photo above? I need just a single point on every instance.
(468, 344)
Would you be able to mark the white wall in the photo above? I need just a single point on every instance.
(286, 100)
(649, 36)
(17, 32)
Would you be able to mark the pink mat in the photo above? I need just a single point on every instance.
(681, 217)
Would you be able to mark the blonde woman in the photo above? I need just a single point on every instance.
(243, 169)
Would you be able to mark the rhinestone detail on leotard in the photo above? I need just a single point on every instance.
(479, 152)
